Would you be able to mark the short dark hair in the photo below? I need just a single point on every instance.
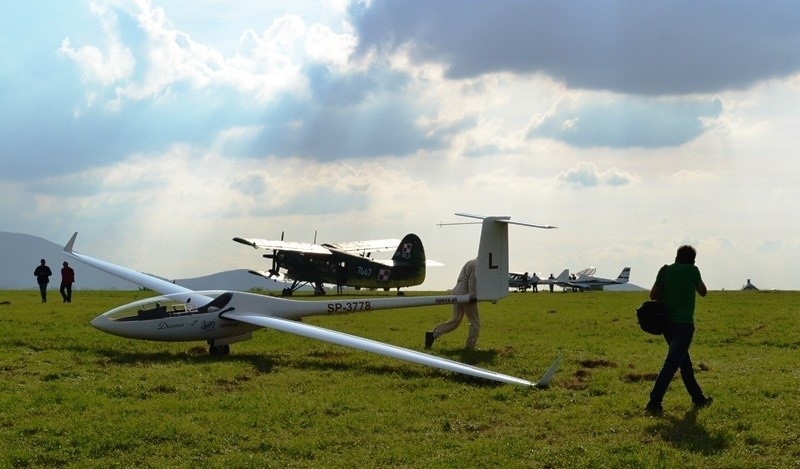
(685, 255)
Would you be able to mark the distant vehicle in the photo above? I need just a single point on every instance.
(346, 264)
(587, 282)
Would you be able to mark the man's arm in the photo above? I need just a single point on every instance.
(701, 289)
(655, 292)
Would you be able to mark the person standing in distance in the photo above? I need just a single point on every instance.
(42, 274)
(67, 279)
(676, 285)
(466, 284)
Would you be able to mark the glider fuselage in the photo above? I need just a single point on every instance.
(176, 317)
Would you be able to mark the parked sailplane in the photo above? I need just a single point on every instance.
(224, 317)
(585, 282)
(348, 264)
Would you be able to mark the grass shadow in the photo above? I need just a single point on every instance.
(261, 363)
(687, 434)
(313, 362)
(470, 356)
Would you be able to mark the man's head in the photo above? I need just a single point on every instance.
(686, 255)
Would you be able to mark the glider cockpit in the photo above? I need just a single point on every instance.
(174, 316)
(152, 308)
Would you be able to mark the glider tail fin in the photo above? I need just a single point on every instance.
(624, 275)
(563, 276)
(492, 268)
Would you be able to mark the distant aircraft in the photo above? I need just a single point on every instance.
(521, 281)
(561, 281)
(225, 317)
(347, 264)
(518, 281)
(586, 282)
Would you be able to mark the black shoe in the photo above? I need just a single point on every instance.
(653, 409)
(429, 339)
(705, 402)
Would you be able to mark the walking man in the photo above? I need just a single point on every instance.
(466, 284)
(42, 274)
(67, 279)
(676, 285)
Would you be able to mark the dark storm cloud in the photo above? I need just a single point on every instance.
(626, 46)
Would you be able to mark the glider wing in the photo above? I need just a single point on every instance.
(162, 286)
(380, 348)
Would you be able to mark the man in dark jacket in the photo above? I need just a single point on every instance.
(42, 274)
(67, 279)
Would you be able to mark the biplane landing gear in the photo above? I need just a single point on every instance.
(400, 293)
(287, 292)
(219, 350)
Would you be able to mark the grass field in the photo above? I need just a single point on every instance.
(73, 396)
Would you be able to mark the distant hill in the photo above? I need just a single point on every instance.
(20, 255)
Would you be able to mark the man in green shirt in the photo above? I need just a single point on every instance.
(676, 285)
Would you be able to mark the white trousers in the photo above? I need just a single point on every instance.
(459, 311)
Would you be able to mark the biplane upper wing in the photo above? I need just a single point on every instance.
(375, 245)
(283, 245)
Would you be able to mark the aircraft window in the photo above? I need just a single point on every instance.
(144, 311)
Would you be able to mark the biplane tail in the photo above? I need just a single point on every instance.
(410, 251)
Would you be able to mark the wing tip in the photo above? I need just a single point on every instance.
(71, 243)
(246, 242)
(548, 375)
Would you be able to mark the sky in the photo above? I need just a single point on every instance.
(161, 129)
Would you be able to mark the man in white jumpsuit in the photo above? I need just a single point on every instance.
(466, 284)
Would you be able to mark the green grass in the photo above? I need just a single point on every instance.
(73, 396)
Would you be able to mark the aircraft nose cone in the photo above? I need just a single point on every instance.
(101, 323)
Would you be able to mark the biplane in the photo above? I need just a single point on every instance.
(345, 264)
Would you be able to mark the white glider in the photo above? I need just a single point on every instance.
(225, 317)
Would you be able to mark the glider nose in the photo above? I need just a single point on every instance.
(102, 323)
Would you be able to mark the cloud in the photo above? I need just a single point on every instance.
(586, 174)
(625, 46)
(141, 85)
(622, 122)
